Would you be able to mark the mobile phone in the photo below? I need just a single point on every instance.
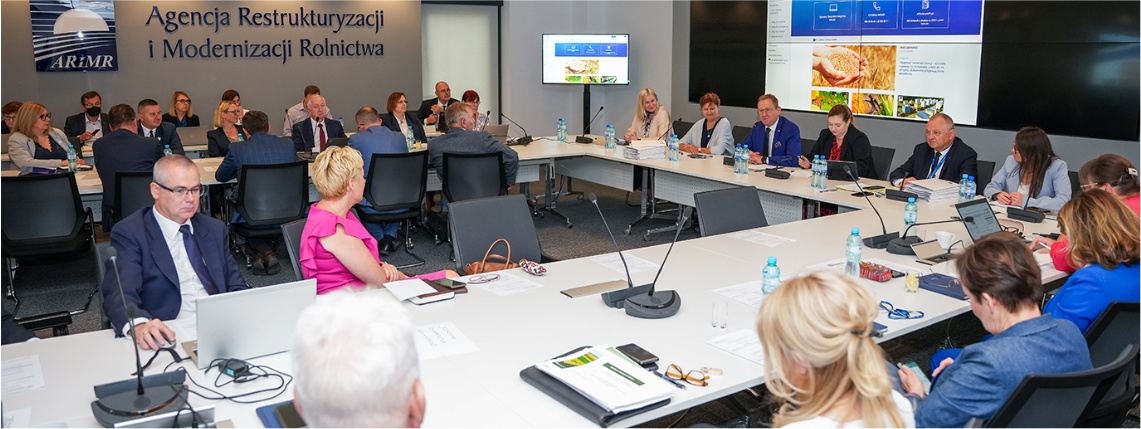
(451, 284)
(698, 156)
(638, 354)
(287, 415)
(913, 367)
(93, 133)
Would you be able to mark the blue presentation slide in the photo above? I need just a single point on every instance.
(835, 18)
(590, 49)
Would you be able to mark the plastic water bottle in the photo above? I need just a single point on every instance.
(72, 161)
(562, 130)
(815, 183)
(963, 189)
(771, 275)
(743, 159)
(852, 255)
(166, 150)
(410, 139)
(674, 148)
(341, 119)
(972, 188)
(910, 215)
(823, 173)
(737, 159)
(611, 139)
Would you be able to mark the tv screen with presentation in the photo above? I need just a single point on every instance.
(601, 59)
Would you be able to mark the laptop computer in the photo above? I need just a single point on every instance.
(250, 323)
(983, 221)
(836, 170)
(498, 131)
(930, 252)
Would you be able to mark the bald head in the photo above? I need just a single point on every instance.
(940, 132)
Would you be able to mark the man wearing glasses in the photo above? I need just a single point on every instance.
(432, 110)
(163, 255)
(299, 112)
(90, 124)
(314, 134)
(121, 150)
(774, 140)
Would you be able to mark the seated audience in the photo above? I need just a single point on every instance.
(34, 143)
(298, 112)
(123, 150)
(169, 255)
(711, 134)
(181, 113)
(374, 138)
(1032, 175)
(227, 118)
(399, 119)
(481, 120)
(355, 363)
(461, 139)
(651, 120)
(233, 96)
(943, 156)
(152, 126)
(9, 111)
(774, 140)
(336, 249)
(91, 123)
(841, 141)
(316, 132)
(432, 110)
(1104, 236)
(1004, 286)
(824, 368)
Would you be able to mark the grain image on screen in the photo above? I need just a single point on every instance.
(914, 107)
(879, 74)
(873, 104)
(824, 100)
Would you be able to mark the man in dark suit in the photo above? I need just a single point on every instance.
(432, 109)
(121, 150)
(316, 132)
(943, 156)
(460, 139)
(90, 124)
(163, 255)
(774, 140)
(375, 138)
(152, 126)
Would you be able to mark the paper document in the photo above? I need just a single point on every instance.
(185, 329)
(744, 344)
(1044, 259)
(637, 265)
(441, 339)
(20, 418)
(21, 375)
(764, 239)
(608, 379)
(851, 187)
(801, 172)
(508, 284)
(408, 288)
(748, 293)
(835, 265)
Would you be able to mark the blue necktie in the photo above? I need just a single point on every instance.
(196, 261)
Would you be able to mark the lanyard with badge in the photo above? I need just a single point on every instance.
(936, 168)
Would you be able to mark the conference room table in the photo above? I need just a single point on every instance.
(477, 383)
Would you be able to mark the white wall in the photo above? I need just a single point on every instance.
(460, 48)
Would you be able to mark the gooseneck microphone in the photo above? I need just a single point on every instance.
(879, 241)
(902, 245)
(594, 200)
(670, 129)
(583, 138)
(526, 139)
(667, 302)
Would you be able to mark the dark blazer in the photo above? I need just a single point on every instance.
(389, 121)
(857, 148)
(218, 144)
(13, 332)
(150, 280)
(75, 125)
(303, 139)
(961, 159)
(426, 111)
(4, 128)
(786, 142)
(191, 121)
(121, 150)
(458, 140)
(166, 135)
(261, 148)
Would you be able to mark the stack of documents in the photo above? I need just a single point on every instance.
(608, 378)
(645, 150)
(934, 190)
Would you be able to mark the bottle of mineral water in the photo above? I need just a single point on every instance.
(972, 188)
(611, 139)
(815, 172)
(910, 215)
(166, 150)
(963, 189)
(410, 139)
(562, 130)
(72, 159)
(852, 255)
(674, 148)
(743, 159)
(771, 276)
(823, 173)
(737, 159)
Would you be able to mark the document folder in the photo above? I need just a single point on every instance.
(575, 401)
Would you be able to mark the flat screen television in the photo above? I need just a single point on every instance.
(586, 59)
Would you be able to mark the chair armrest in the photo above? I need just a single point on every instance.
(42, 321)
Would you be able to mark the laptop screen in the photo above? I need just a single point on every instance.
(984, 221)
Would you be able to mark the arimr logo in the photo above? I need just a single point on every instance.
(74, 35)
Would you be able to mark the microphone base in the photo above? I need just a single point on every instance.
(617, 298)
(583, 140)
(880, 241)
(523, 140)
(663, 304)
(126, 406)
(902, 246)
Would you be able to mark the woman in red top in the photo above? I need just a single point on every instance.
(1111, 173)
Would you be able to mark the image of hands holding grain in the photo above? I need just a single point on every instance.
(837, 65)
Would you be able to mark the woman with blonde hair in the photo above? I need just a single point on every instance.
(227, 120)
(822, 364)
(181, 112)
(35, 143)
(651, 120)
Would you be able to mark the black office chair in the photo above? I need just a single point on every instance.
(741, 133)
(729, 210)
(43, 216)
(475, 224)
(1060, 400)
(397, 181)
(1115, 328)
(682, 127)
(881, 158)
(467, 176)
(1075, 184)
(132, 192)
(806, 145)
(270, 195)
(985, 173)
(291, 233)
(102, 258)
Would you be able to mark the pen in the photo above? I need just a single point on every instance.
(672, 381)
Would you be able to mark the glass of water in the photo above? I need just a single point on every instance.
(912, 281)
(720, 316)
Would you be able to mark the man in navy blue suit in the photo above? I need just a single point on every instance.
(374, 138)
(152, 126)
(121, 151)
(163, 255)
(316, 132)
(774, 140)
(942, 156)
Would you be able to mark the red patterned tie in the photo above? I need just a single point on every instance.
(321, 130)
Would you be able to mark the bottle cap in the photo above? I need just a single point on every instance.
(964, 176)
(772, 260)
(971, 178)
(911, 199)
(856, 231)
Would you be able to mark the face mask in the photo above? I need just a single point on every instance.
(93, 111)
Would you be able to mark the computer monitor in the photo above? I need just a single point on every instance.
(836, 170)
(251, 323)
(983, 220)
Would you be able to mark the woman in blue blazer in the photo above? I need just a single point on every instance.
(1032, 175)
(398, 108)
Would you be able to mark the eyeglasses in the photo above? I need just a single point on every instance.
(46, 116)
(1091, 185)
(182, 192)
(696, 378)
(87, 105)
(184, 101)
(482, 278)
(766, 111)
(9, 116)
(899, 313)
(233, 111)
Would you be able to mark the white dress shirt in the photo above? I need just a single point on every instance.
(317, 133)
(189, 285)
(92, 126)
(403, 124)
(147, 132)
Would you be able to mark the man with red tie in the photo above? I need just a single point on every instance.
(316, 132)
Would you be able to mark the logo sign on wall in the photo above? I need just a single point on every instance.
(74, 35)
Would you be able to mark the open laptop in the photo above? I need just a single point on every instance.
(498, 131)
(984, 221)
(930, 252)
(250, 323)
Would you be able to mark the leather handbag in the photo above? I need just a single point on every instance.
(486, 265)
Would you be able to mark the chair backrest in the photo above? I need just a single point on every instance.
(985, 173)
(729, 210)
(881, 157)
(1061, 400)
(1075, 184)
(102, 255)
(1113, 329)
(741, 133)
(681, 127)
(291, 233)
(475, 224)
(132, 192)
(40, 209)
(271, 194)
(469, 176)
(397, 180)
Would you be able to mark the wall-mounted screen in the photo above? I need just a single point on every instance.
(602, 59)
